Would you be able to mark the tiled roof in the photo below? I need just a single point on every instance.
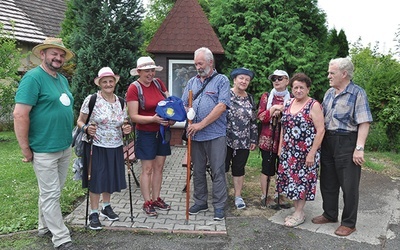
(185, 29)
(33, 20)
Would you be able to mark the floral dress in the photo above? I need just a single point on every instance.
(295, 179)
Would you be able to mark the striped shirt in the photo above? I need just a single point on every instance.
(216, 91)
(345, 111)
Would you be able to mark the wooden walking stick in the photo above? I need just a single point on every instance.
(89, 176)
(188, 162)
(128, 166)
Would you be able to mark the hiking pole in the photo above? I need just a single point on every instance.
(188, 161)
(128, 166)
(89, 176)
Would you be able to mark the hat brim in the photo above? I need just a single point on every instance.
(134, 72)
(242, 71)
(270, 76)
(36, 50)
(97, 79)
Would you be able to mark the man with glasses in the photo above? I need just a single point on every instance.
(269, 113)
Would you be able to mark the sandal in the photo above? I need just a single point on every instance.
(294, 221)
(288, 217)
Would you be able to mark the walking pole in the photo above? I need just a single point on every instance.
(188, 162)
(274, 124)
(88, 187)
(128, 165)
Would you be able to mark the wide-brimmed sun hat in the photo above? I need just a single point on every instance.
(144, 63)
(278, 72)
(52, 42)
(103, 72)
(242, 71)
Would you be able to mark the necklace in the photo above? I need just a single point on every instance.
(108, 99)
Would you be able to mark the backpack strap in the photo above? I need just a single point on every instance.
(157, 83)
(140, 91)
(122, 102)
(140, 94)
(92, 101)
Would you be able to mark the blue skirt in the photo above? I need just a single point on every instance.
(107, 170)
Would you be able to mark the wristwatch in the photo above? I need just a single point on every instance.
(359, 148)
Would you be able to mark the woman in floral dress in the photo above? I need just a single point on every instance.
(301, 136)
(241, 131)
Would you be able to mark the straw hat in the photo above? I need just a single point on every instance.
(103, 72)
(144, 63)
(52, 42)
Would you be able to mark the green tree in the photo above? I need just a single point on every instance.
(103, 33)
(379, 75)
(338, 43)
(265, 35)
(10, 61)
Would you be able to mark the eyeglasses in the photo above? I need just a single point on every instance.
(273, 79)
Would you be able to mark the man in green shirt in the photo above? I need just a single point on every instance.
(43, 120)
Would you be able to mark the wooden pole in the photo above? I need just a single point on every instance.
(188, 162)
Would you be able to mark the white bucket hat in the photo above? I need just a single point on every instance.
(106, 71)
(144, 63)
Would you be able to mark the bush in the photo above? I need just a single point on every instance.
(7, 92)
(377, 139)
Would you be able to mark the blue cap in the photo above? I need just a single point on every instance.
(242, 71)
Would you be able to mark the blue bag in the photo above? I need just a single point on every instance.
(170, 109)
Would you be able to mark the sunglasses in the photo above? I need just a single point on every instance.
(273, 79)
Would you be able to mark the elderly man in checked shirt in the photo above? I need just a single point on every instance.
(347, 121)
(208, 132)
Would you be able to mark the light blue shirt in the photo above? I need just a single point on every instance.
(216, 91)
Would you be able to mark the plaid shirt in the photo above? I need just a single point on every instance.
(216, 91)
(345, 111)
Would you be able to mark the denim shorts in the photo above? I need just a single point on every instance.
(149, 144)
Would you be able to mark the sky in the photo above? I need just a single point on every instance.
(371, 20)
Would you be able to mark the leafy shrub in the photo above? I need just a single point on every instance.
(377, 139)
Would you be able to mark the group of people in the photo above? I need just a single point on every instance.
(223, 131)
(298, 134)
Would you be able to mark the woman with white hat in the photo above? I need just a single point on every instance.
(104, 130)
(269, 113)
(142, 97)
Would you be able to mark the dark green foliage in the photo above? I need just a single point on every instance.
(10, 61)
(380, 76)
(266, 35)
(103, 33)
(338, 44)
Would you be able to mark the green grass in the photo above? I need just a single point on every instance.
(19, 191)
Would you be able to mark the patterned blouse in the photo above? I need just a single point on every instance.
(242, 126)
(109, 118)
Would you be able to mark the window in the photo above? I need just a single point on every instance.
(180, 71)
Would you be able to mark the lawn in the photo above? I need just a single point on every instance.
(19, 191)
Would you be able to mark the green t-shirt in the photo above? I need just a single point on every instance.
(51, 121)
